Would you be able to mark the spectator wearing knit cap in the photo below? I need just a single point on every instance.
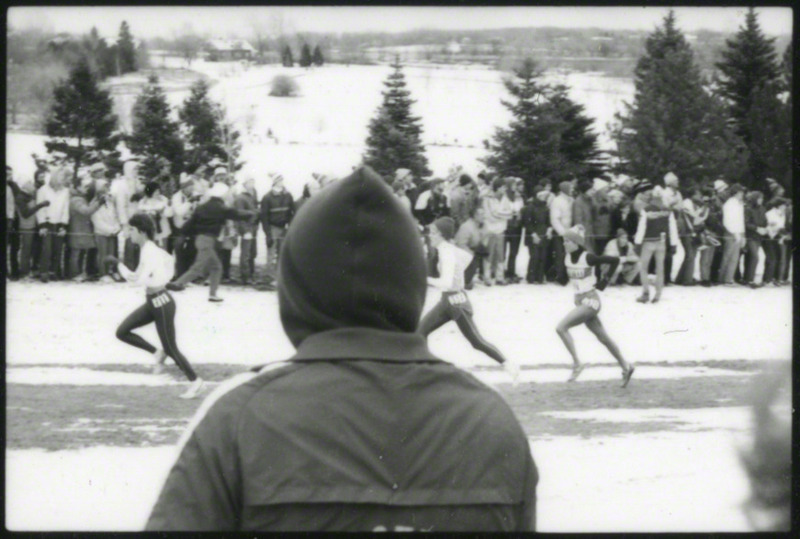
(340, 436)
(206, 224)
(277, 210)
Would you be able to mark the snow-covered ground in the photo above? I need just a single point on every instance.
(664, 482)
(79, 321)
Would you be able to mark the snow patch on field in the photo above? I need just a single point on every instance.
(83, 377)
(665, 482)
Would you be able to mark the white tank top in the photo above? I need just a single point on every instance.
(580, 273)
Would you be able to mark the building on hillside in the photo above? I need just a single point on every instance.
(226, 50)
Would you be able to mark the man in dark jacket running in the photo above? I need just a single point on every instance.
(363, 429)
(206, 224)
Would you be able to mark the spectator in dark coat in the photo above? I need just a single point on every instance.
(247, 229)
(536, 222)
(463, 199)
(431, 203)
(755, 226)
(583, 213)
(277, 210)
(363, 429)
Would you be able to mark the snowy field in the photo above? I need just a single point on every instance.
(677, 479)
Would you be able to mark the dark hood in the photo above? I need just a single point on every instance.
(352, 257)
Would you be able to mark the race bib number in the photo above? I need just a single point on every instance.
(457, 299)
(592, 303)
(160, 301)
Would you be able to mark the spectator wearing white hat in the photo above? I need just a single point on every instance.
(206, 223)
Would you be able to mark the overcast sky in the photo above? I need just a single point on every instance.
(165, 21)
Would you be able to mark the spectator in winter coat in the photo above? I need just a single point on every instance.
(247, 229)
(583, 212)
(693, 215)
(206, 224)
(399, 189)
(463, 199)
(53, 220)
(228, 238)
(471, 237)
(431, 203)
(734, 239)
(277, 210)
(26, 208)
(755, 227)
(628, 268)
(106, 227)
(538, 235)
(625, 217)
(513, 235)
(655, 224)
(257, 459)
(498, 211)
(82, 206)
(602, 218)
(776, 228)
(182, 204)
(561, 221)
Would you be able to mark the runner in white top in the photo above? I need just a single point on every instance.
(580, 265)
(156, 268)
(454, 304)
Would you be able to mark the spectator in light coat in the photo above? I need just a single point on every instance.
(124, 190)
(277, 210)
(26, 208)
(471, 236)
(247, 229)
(82, 206)
(53, 221)
(734, 239)
(561, 221)
(776, 228)
(498, 211)
(399, 188)
(106, 227)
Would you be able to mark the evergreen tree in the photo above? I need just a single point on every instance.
(155, 137)
(749, 61)
(305, 56)
(81, 125)
(229, 139)
(674, 124)
(286, 56)
(126, 50)
(394, 139)
(317, 56)
(548, 136)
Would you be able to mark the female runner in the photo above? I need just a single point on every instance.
(156, 268)
(580, 269)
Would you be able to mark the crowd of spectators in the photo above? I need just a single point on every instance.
(61, 226)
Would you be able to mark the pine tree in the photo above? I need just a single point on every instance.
(305, 56)
(155, 136)
(229, 139)
(548, 136)
(674, 124)
(286, 56)
(317, 56)
(750, 81)
(394, 139)
(126, 50)
(81, 125)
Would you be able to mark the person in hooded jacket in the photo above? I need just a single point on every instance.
(363, 429)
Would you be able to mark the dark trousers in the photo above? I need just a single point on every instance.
(131, 257)
(512, 241)
(771, 260)
(13, 244)
(92, 262)
(183, 249)
(686, 275)
(559, 269)
(159, 308)
(206, 262)
(783, 264)
(26, 239)
(225, 258)
(105, 247)
(247, 259)
(751, 259)
(36, 250)
(52, 255)
(473, 268)
(536, 262)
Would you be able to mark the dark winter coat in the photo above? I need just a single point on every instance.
(277, 209)
(363, 429)
(247, 201)
(754, 217)
(535, 218)
(209, 218)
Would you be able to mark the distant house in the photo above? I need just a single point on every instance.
(226, 50)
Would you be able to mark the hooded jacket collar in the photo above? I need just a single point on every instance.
(364, 343)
